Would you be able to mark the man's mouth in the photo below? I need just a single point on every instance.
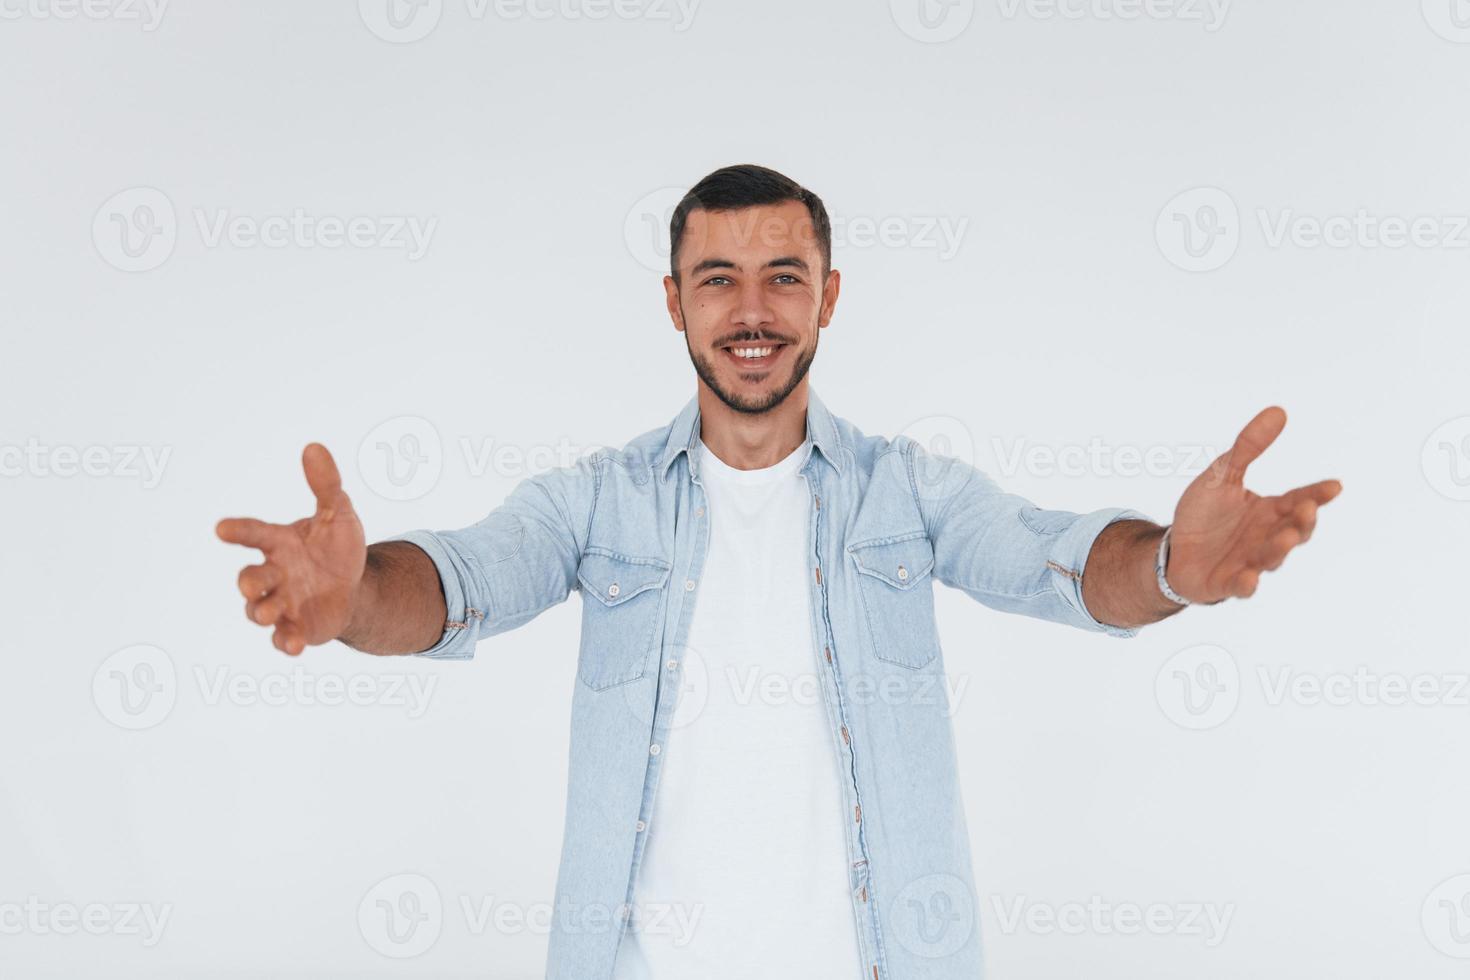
(754, 357)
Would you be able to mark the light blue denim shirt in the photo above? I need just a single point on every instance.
(629, 529)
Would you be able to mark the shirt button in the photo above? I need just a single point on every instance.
(903, 573)
(613, 590)
(689, 585)
(654, 749)
(699, 512)
(641, 826)
(672, 664)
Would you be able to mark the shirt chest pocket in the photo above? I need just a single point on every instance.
(622, 606)
(897, 596)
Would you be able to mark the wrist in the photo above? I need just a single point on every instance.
(359, 600)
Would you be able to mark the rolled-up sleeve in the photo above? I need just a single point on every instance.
(1002, 549)
(518, 561)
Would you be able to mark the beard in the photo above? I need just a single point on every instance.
(705, 368)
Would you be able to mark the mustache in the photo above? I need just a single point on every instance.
(755, 339)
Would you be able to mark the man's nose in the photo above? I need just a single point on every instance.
(753, 310)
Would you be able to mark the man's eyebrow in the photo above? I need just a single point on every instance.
(785, 261)
(708, 264)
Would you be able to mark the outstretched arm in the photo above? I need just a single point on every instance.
(1224, 536)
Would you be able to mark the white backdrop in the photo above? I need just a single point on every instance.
(1082, 242)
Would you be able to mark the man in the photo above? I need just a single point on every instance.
(710, 833)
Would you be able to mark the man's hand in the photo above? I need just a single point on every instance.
(313, 568)
(1224, 536)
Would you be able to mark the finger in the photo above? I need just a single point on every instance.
(1319, 493)
(1258, 433)
(1304, 515)
(257, 580)
(1243, 586)
(268, 610)
(288, 639)
(1278, 546)
(249, 532)
(322, 477)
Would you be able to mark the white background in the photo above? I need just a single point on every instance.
(541, 148)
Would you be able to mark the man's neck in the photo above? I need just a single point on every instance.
(752, 442)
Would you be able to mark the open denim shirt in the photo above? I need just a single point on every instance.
(629, 529)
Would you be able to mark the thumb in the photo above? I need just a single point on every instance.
(323, 478)
(1253, 440)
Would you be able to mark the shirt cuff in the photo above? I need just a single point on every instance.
(1069, 558)
(462, 628)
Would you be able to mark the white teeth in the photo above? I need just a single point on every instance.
(752, 351)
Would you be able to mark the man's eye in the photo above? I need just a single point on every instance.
(788, 279)
(715, 280)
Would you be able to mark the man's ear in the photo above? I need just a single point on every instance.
(830, 289)
(671, 300)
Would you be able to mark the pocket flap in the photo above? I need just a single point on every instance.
(900, 562)
(615, 578)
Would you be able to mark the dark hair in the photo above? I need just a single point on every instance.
(747, 185)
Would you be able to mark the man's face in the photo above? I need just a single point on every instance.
(751, 300)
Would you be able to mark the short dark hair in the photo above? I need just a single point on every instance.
(747, 185)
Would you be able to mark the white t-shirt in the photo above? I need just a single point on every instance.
(744, 872)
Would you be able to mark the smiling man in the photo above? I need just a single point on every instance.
(762, 776)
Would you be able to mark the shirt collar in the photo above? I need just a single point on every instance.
(821, 429)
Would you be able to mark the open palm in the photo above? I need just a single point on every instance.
(312, 567)
(1224, 535)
